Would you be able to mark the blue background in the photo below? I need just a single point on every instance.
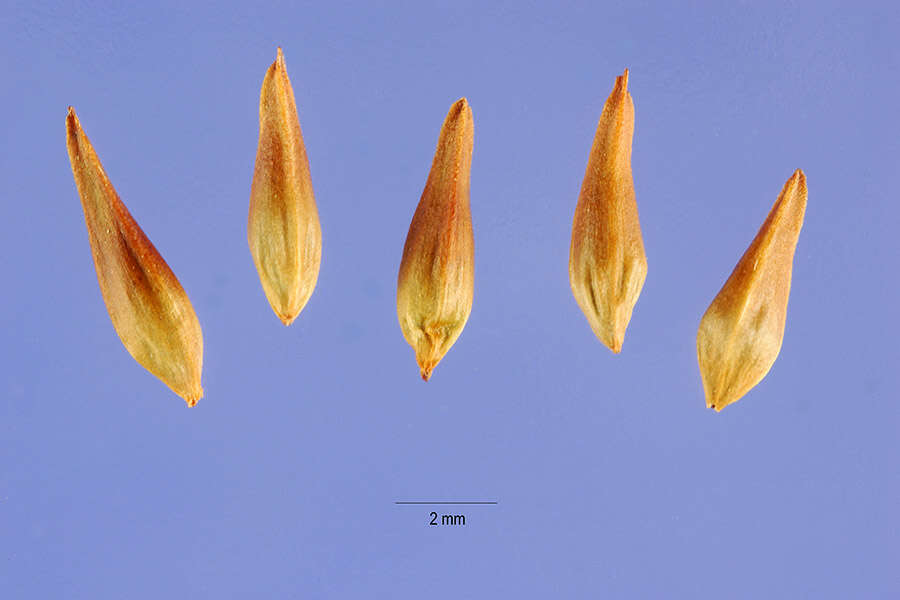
(612, 477)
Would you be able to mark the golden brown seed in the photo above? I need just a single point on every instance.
(741, 333)
(607, 264)
(148, 307)
(283, 225)
(436, 281)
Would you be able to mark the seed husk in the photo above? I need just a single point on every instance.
(436, 280)
(607, 264)
(740, 334)
(149, 309)
(283, 224)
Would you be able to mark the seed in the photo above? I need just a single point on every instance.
(741, 332)
(436, 280)
(607, 264)
(283, 225)
(148, 307)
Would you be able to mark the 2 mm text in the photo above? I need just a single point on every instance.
(447, 519)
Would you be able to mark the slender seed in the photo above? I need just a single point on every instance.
(741, 332)
(283, 224)
(148, 307)
(607, 264)
(436, 280)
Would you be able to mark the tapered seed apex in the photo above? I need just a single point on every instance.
(621, 85)
(460, 109)
(149, 309)
(740, 334)
(72, 123)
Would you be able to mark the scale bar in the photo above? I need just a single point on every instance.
(446, 502)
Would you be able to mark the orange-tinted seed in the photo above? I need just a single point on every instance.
(741, 332)
(607, 264)
(148, 307)
(437, 273)
(283, 223)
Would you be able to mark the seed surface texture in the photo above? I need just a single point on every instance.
(148, 307)
(741, 332)
(607, 264)
(283, 224)
(436, 280)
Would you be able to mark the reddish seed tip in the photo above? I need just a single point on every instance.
(460, 107)
(71, 120)
(622, 81)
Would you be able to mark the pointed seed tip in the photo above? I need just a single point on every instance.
(797, 182)
(615, 345)
(622, 82)
(617, 341)
(461, 106)
(425, 371)
(717, 403)
(193, 398)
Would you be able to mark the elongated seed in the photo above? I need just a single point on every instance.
(436, 280)
(740, 334)
(607, 264)
(283, 224)
(148, 307)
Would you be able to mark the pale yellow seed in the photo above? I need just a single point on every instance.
(148, 307)
(607, 264)
(283, 223)
(436, 280)
(740, 334)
